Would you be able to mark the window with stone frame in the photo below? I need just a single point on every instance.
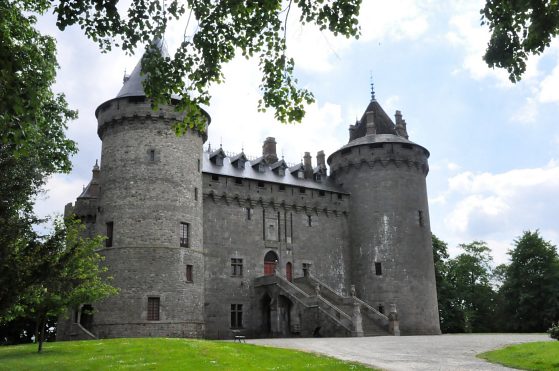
(236, 267)
(378, 268)
(109, 240)
(184, 235)
(236, 316)
(249, 212)
(188, 273)
(153, 309)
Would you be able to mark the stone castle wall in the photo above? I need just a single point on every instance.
(389, 224)
(148, 186)
(229, 233)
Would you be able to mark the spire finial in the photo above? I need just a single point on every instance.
(372, 88)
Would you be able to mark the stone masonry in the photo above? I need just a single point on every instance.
(207, 244)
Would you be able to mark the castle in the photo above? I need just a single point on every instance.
(205, 244)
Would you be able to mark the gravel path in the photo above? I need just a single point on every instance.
(444, 352)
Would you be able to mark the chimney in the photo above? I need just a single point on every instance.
(321, 160)
(308, 165)
(269, 150)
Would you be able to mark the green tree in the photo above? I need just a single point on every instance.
(531, 285)
(450, 313)
(70, 274)
(474, 299)
(223, 30)
(518, 29)
(33, 144)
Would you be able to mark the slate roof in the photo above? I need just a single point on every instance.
(268, 175)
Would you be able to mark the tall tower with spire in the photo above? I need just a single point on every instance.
(151, 212)
(390, 235)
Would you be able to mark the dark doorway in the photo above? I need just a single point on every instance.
(266, 326)
(86, 317)
(289, 271)
(270, 262)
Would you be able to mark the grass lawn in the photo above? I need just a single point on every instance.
(530, 356)
(162, 354)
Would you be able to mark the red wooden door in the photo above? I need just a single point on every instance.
(269, 268)
(289, 272)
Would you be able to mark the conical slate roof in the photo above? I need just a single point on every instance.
(133, 84)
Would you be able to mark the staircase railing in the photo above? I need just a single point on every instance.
(370, 311)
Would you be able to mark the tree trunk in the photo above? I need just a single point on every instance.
(41, 332)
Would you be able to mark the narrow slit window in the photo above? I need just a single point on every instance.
(189, 273)
(420, 218)
(381, 309)
(109, 240)
(309, 220)
(195, 194)
(184, 234)
(152, 155)
(249, 212)
(378, 269)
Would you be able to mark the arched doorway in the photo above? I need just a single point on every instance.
(86, 316)
(270, 262)
(265, 306)
(289, 271)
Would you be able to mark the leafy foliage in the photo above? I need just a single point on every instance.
(531, 285)
(67, 273)
(33, 144)
(224, 29)
(518, 28)
(466, 298)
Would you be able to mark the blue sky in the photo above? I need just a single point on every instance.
(494, 145)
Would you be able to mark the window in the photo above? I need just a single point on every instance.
(236, 267)
(198, 165)
(300, 174)
(184, 234)
(309, 220)
(195, 194)
(189, 273)
(282, 187)
(381, 308)
(153, 309)
(302, 190)
(249, 212)
(378, 269)
(109, 240)
(260, 184)
(215, 178)
(238, 181)
(152, 155)
(346, 151)
(340, 196)
(407, 146)
(420, 218)
(321, 193)
(236, 316)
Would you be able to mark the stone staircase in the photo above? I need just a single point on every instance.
(374, 323)
(357, 317)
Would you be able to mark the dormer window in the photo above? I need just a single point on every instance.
(318, 178)
(301, 174)
(217, 156)
(239, 160)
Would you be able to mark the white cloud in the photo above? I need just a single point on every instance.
(498, 207)
(550, 87)
(527, 113)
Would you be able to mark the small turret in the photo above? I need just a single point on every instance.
(400, 125)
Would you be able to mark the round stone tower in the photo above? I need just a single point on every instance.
(390, 236)
(150, 208)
